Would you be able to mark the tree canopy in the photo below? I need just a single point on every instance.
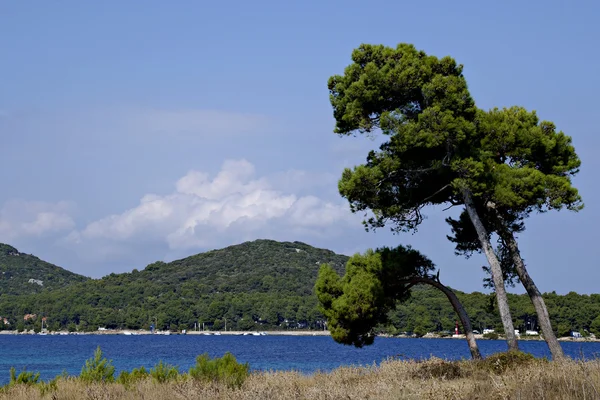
(501, 164)
(439, 142)
(372, 285)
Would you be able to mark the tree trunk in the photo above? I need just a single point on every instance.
(496, 270)
(460, 311)
(532, 291)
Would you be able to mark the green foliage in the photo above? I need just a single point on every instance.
(257, 284)
(360, 300)
(132, 301)
(527, 163)
(127, 378)
(164, 372)
(491, 336)
(564, 328)
(420, 330)
(97, 369)
(360, 304)
(48, 387)
(439, 143)
(423, 105)
(16, 269)
(595, 326)
(31, 379)
(500, 362)
(225, 369)
(24, 378)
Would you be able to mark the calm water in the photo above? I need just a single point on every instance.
(50, 355)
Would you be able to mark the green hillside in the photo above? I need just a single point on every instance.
(259, 266)
(25, 274)
(263, 281)
(258, 285)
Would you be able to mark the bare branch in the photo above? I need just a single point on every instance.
(450, 206)
(425, 200)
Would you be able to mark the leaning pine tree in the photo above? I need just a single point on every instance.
(372, 286)
(530, 165)
(499, 165)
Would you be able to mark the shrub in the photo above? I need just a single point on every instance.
(97, 369)
(491, 335)
(24, 378)
(31, 379)
(47, 387)
(225, 369)
(164, 372)
(438, 368)
(127, 378)
(420, 331)
(501, 362)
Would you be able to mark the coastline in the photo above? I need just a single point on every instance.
(139, 332)
(167, 333)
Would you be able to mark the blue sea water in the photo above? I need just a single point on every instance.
(51, 355)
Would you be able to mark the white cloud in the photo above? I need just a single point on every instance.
(232, 206)
(19, 219)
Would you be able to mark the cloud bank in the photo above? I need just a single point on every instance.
(228, 208)
(22, 219)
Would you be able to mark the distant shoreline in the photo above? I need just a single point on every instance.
(166, 333)
(141, 332)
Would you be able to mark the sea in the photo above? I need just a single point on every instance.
(52, 355)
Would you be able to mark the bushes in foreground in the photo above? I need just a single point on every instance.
(519, 378)
(225, 369)
(99, 370)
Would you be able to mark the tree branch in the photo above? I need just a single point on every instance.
(437, 192)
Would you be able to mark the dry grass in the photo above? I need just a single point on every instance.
(432, 379)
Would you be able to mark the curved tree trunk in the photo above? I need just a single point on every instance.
(533, 292)
(495, 268)
(460, 311)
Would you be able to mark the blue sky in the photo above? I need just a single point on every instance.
(135, 133)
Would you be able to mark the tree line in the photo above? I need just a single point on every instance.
(139, 306)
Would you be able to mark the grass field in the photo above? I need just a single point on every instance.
(500, 376)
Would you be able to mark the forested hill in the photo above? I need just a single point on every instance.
(257, 266)
(263, 280)
(25, 274)
(261, 285)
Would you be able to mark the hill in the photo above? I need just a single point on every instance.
(258, 285)
(263, 281)
(22, 273)
(258, 266)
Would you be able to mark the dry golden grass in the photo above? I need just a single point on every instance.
(432, 379)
